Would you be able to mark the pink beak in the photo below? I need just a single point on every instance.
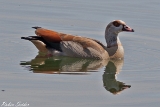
(127, 28)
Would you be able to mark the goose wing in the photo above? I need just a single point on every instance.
(73, 45)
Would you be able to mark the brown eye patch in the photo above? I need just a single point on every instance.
(115, 23)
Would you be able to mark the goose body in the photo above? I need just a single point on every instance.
(60, 44)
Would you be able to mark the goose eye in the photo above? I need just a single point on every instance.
(116, 24)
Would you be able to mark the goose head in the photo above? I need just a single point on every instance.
(112, 31)
(118, 26)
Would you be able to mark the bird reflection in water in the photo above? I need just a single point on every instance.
(109, 77)
(62, 65)
(67, 65)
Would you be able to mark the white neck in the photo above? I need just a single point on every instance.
(112, 39)
(114, 46)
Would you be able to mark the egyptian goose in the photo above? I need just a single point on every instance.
(60, 44)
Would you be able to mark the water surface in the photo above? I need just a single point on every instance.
(65, 82)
